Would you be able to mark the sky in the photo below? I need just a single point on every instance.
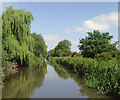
(57, 21)
(60, 0)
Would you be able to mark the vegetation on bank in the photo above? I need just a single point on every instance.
(66, 73)
(18, 43)
(97, 62)
(100, 75)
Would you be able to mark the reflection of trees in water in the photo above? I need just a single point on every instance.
(24, 84)
(60, 71)
(84, 89)
(66, 73)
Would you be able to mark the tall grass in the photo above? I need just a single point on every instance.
(103, 76)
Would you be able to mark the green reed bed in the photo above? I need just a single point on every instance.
(103, 76)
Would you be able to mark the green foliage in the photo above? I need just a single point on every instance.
(100, 75)
(94, 43)
(104, 56)
(109, 52)
(62, 49)
(110, 47)
(17, 41)
(39, 48)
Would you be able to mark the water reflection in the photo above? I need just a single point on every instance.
(48, 81)
(23, 83)
(65, 73)
(60, 71)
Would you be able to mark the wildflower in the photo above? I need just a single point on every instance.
(8, 64)
(13, 69)
(3, 75)
(16, 64)
(13, 65)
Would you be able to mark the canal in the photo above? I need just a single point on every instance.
(48, 81)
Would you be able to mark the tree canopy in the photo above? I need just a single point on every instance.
(94, 44)
(62, 49)
(17, 41)
(39, 49)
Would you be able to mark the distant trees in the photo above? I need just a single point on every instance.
(62, 49)
(95, 45)
(98, 45)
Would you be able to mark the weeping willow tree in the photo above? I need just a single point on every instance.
(17, 41)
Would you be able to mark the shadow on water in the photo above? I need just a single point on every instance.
(65, 73)
(23, 83)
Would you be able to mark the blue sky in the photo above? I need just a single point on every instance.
(57, 21)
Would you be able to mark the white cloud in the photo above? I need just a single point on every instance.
(74, 46)
(102, 22)
(74, 43)
(92, 25)
(51, 40)
(51, 37)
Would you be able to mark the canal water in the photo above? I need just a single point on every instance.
(48, 81)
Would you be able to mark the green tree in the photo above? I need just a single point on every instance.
(62, 48)
(16, 37)
(109, 52)
(39, 48)
(17, 41)
(94, 43)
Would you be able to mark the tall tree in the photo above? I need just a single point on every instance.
(17, 41)
(94, 43)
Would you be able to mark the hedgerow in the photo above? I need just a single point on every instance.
(103, 76)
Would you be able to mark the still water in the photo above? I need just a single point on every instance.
(49, 81)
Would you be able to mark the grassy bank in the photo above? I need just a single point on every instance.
(103, 76)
